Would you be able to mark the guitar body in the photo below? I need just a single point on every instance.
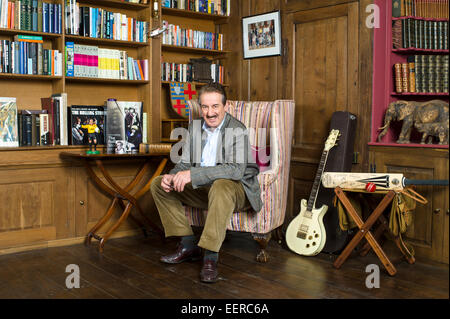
(306, 235)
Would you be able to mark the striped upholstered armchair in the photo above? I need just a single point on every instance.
(277, 118)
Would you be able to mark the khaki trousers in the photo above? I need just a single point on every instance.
(221, 199)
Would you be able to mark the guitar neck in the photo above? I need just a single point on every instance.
(317, 179)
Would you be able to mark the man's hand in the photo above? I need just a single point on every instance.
(166, 182)
(180, 180)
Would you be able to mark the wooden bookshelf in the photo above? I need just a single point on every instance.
(428, 233)
(50, 201)
(181, 54)
(385, 56)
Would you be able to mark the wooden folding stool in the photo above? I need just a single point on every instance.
(364, 231)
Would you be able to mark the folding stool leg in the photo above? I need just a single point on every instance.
(364, 231)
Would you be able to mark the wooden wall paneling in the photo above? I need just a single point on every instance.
(154, 115)
(445, 211)
(234, 63)
(365, 90)
(300, 184)
(34, 207)
(324, 73)
(428, 232)
(263, 71)
(302, 5)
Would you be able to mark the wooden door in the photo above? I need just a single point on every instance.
(322, 69)
(429, 231)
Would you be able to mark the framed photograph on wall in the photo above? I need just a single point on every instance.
(261, 35)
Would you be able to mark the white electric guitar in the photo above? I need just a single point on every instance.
(305, 234)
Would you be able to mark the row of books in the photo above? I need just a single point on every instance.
(437, 9)
(94, 62)
(422, 74)
(220, 7)
(33, 128)
(100, 23)
(178, 72)
(119, 124)
(24, 56)
(31, 15)
(420, 34)
(175, 35)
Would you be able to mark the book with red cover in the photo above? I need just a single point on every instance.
(47, 104)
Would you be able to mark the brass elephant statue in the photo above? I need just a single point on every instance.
(412, 112)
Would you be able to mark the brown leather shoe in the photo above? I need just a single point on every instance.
(209, 271)
(182, 254)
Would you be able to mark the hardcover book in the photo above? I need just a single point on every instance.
(8, 122)
(80, 115)
(123, 126)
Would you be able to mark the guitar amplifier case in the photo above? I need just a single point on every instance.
(340, 159)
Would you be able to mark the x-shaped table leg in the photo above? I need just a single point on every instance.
(121, 194)
(364, 230)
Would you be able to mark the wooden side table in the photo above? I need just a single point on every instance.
(119, 194)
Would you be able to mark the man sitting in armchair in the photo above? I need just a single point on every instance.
(216, 175)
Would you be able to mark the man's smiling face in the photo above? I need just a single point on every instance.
(213, 111)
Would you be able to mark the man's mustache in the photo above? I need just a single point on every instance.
(211, 117)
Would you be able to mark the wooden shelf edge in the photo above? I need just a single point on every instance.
(417, 50)
(419, 94)
(192, 14)
(414, 145)
(420, 18)
(116, 4)
(47, 148)
(121, 43)
(43, 34)
(169, 47)
(13, 76)
(196, 83)
(103, 80)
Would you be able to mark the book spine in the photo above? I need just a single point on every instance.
(424, 64)
(69, 57)
(418, 68)
(431, 73)
(405, 72)
(33, 130)
(412, 74)
(28, 128)
(44, 129)
(445, 73)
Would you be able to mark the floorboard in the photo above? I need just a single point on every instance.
(129, 268)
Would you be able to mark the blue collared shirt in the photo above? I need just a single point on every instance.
(209, 152)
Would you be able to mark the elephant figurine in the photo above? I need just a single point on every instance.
(439, 130)
(411, 112)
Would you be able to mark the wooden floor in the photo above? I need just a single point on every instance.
(130, 268)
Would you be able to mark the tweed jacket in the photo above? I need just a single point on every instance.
(234, 161)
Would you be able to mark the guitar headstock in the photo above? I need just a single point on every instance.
(332, 139)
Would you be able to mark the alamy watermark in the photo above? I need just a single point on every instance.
(235, 144)
(373, 279)
(373, 19)
(73, 279)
